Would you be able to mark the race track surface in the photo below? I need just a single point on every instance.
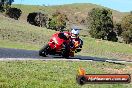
(19, 54)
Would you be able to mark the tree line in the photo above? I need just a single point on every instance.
(57, 21)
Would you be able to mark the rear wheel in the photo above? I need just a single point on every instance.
(65, 54)
(44, 51)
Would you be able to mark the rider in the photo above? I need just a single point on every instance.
(75, 38)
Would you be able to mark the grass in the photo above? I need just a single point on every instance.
(18, 45)
(54, 74)
(107, 49)
(18, 31)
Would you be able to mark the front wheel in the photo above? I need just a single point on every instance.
(65, 54)
(65, 51)
(44, 51)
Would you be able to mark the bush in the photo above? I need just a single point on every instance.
(57, 21)
(14, 13)
(37, 19)
(112, 36)
(100, 23)
(118, 29)
(127, 36)
(126, 25)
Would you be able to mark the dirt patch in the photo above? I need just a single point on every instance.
(122, 56)
(124, 70)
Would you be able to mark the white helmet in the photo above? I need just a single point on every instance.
(75, 31)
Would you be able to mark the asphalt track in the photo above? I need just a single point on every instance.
(20, 54)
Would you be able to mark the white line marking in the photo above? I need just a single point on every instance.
(43, 59)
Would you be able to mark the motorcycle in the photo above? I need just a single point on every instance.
(60, 45)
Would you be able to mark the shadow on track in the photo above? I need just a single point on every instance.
(18, 53)
(89, 58)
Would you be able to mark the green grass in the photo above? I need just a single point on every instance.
(18, 45)
(53, 74)
(18, 31)
(102, 48)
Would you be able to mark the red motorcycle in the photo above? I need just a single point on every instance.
(59, 44)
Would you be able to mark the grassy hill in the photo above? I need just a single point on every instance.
(75, 12)
(22, 32)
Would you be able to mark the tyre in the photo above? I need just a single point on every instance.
(65, 54)
(44, 51)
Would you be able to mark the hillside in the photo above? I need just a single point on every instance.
(19, 31)
(76, 13)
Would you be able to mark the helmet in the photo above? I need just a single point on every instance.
(75, 31)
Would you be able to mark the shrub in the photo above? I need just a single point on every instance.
(126, 25)
(100, 23)
(57, 21)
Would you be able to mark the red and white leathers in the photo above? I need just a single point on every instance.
(75, 41)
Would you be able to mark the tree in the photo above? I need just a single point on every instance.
(37, 19)
(112, 36)
(5, 5)
(118, 29)
(13, 13)
(100, 22)
(58, 21)
(126, 25)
